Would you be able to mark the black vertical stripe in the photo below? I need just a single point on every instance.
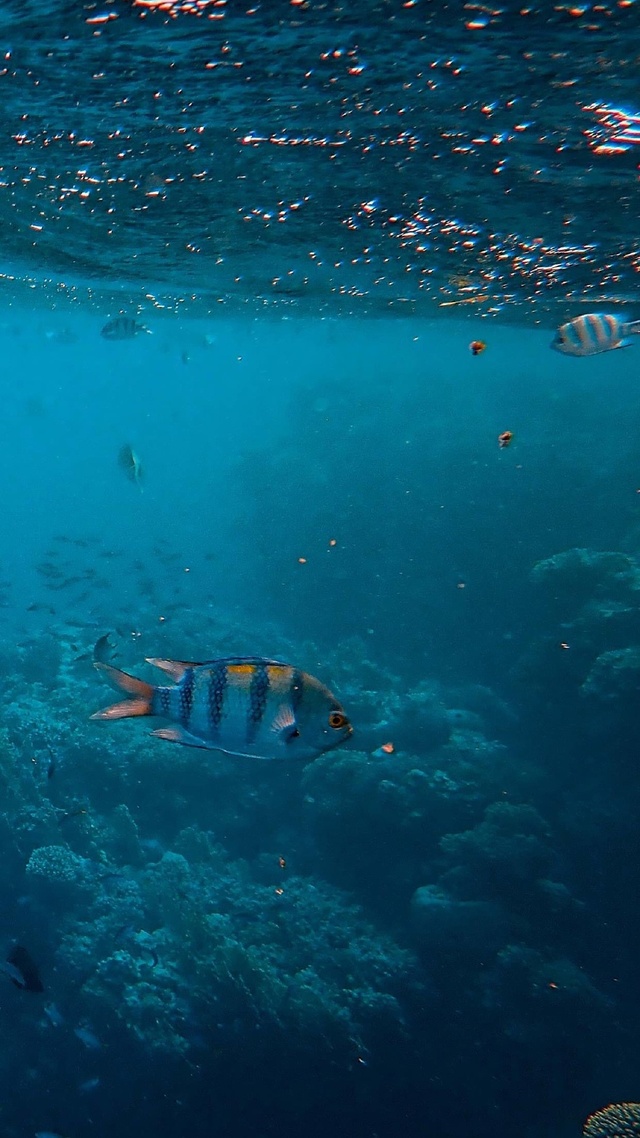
(217, 685)
(258, 692)
(186, 696)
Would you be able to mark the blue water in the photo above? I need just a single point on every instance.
(450, 941)
(314, 210)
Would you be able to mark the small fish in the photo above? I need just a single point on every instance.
(505, 439)
(244, 706)
(66, 814)
(593, 333)
(87, 1037)
(477, 347)
(122, 328)
(130, 463)
(52, 764)
(54, 1015)
(89, 1085)
(22, 970)
(103, 650)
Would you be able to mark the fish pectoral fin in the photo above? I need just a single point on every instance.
(284, 725)
(174, 668)
(179, 735)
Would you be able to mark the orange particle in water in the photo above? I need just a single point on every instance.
(477, 347)
(388, 748)
(504, 440)
(333, 541)
(302, 561)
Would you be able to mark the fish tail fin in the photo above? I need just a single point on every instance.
(632, 328)
(142, 692)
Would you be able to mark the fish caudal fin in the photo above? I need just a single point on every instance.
(142, 693)
(632, 328)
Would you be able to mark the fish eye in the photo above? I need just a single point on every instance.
(337, 720)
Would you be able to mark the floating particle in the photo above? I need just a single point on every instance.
(477, 347)
(505, 439)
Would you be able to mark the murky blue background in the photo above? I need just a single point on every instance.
(313, 210)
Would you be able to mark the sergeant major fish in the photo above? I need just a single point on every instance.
(122, 328)
(593, 333)
(243, 705)
(131, 464)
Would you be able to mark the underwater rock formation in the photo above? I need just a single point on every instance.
(509, 849)
(456, 932)
(541, 996)
(572, 578)
(590, 629)
(614, 676)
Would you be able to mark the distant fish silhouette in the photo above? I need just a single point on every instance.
(130, 463)
(103, 651)
(22, 970)
(87, 1036)
(122, 328)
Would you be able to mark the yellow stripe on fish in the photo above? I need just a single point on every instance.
(241, 706)
(592, 333)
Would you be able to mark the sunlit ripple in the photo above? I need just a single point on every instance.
(318, 156)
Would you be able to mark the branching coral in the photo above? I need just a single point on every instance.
(56, 863)
(300, 959)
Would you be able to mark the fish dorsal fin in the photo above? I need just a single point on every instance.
(174, 668)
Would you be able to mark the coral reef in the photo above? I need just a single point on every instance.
(455, 893)
(619, 1120)
(507, 850)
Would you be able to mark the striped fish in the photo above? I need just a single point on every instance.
(593, 333)
(243, 705)
(122, 328)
